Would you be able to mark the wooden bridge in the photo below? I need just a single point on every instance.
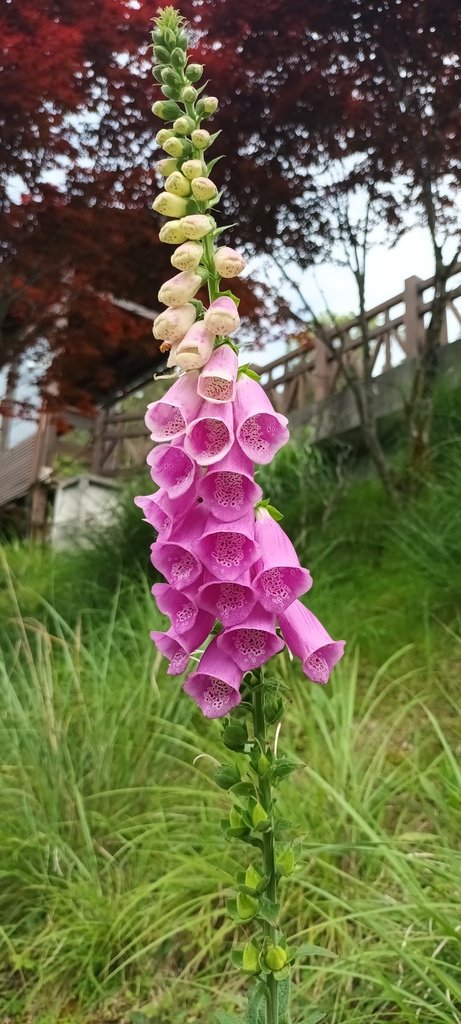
(306, 384)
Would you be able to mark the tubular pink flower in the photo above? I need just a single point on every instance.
(175, 558)
(180, 289)
(260, 431)
(162, 512)
(228, 550)
(231, 603)
(253, 642)
(222, 317)
(228, 488)
(167, 418)
(279, 578)
(218, 378)
(172, 469)
(211, 435)
(194, 350)
(178, 605)
(308, 640)
(215, 684)
(172, 649)
(172, 324)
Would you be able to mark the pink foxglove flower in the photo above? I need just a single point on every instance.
(180, 289)
(176, 558)
(229, 488)
(168, 418)
(183, 643)
(163, 512)
(172, 649)
(309, 641)
(253, 642)
(222, 317)
(194, 350)
(218, 378)
(229, 263)
(228, 550)
(215, 685)
(172, 469)
(231, 603)
(172, 324)
(279, 578)
(259, 430)
(179, 605)
(211, 435)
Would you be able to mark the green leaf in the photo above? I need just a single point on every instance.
(227, 1018)
(308, 950)
(268, 910)
(212, 163)
(283, 992)
(315, 1016)
(256, 1009)
(283, 974)
(283, 767)
(229, 294)
(242, 791)
(214, 136)
(226, 775)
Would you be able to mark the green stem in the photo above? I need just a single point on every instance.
(265, 799)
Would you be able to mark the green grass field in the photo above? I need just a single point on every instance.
(113, 869)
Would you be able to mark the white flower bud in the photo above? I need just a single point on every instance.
(166, 167)
(201, 138)
(177, 184)
(163, 135)
(173, 232)
(192, 169)
(210, 104)
(228, 262)
(169, 205)
(183, 125)
(180, 289)
(187, 256)
(194, 349)
(173, 324)
(197, 225)
(174, 147)
(204, 189)
(189, 94)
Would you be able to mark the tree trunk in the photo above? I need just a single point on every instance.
(421, 404)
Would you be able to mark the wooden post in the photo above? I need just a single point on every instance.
(414, 325)
(98, 443)
(322, 371)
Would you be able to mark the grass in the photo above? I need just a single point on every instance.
(113, 869)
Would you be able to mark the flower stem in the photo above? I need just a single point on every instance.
(265, 798)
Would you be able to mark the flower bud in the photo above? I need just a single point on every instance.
(168, 110)
(194, 72)
(183, 125)
(166, 167)
(189, 94)
(177, 184)
(200, 138)
(171, 77)
(250, 958)
(247, 906)
(222, 316)
(178, 57)
(187, 256)
(210, 104)
(252, 877)
(173, 233)
(180, 289)
(275, 958)
(204, 189)
(197, 225)
(195, 348)
(192, 169)
(163, 135)
(228, 262)
(169, 205)
(174, 147)
(173, 324)
(226, 775)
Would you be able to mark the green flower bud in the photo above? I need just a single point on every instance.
(157, 72)
(250, 958)
(177, 184)
(192, 169)
(183, 125)
(210, 104)
(182, 40)
(161, 53)
(178, 58)
(200, 138)
(157, 35)
(275, 958)
(189, 94)
(163, 135)
(169, 37)
(169, 205)
(247, 906)
(204, 189)
(174, 147)
(170, 91)
(235, 736)
(258, 814)
(172, 233)
(263, 765)
(171, 77)
(252, 877)
(166, 167)
(168, 110)
(194, 72)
